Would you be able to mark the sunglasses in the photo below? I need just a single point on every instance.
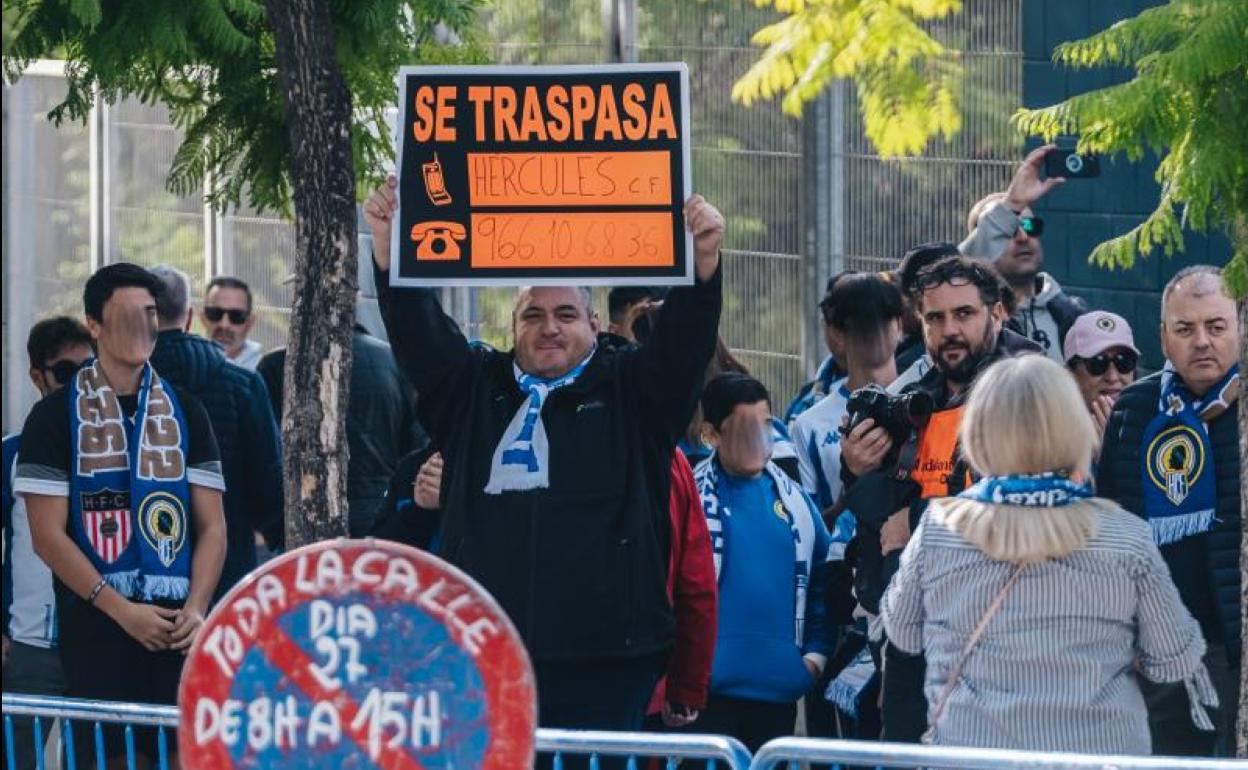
(954, 275)
(1033, 226)
(1097, 365)
(62, 371)
(215, 314)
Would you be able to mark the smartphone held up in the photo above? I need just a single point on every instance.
(1068, 163)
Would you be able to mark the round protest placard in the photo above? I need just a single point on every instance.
(357, 654)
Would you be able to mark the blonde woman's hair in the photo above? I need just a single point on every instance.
(1025, 416)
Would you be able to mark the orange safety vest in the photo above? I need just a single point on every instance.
(937, 453)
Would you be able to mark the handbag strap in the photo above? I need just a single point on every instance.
(976, 635)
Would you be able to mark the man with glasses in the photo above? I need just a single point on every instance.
(227, 318)
(1005, 231)
(961, 305)
(237, 403)
(57, 347)
(1171, 455)
(1101, 354)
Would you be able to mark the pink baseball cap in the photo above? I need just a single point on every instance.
(1095, 332)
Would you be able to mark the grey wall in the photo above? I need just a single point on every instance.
(1083, 213)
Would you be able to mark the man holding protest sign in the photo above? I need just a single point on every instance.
(557, 457)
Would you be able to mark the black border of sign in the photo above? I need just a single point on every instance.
(607, 276)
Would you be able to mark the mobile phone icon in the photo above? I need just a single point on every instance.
(435, 183)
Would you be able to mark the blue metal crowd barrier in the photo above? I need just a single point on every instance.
(791, 753)
(637, 748)
(717, 751)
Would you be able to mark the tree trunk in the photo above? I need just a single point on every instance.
(1241, 722)
(318, 355)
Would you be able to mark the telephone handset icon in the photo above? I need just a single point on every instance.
(436, 240)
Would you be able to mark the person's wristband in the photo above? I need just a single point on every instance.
(95, 591)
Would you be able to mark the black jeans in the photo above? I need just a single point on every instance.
(595, 695)
(903, 702)
(34, 671)
(1169, 716)
(752, 722)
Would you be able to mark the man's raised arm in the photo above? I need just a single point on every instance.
(672, 363)
(427, 343)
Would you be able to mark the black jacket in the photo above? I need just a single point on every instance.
(580, 567)
(251, 451)
(1205, 568)
(401, 519)
(381, 423)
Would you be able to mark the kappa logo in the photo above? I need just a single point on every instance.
(589, 405)
(1176, 458)
(106, 521)
(162, 520)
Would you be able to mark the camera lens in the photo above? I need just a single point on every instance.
(1074, 163)
(919, 407)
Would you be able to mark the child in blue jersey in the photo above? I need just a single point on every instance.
(770, 547)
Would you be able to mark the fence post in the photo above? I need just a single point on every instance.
(822, 208)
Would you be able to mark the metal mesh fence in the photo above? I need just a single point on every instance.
(260, 249)
(144, 223)
(893, 205)
(47, 225)
(747, 162)
(83, 195)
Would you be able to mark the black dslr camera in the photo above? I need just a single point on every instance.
(896, 414)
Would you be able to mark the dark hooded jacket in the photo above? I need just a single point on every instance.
(251, 452)
(1205, 567)
(580, 566)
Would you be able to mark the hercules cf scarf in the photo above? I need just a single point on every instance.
(128, 489)
(1179, 491)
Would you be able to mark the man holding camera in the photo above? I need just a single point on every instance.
(891, 470)
(1005, 231)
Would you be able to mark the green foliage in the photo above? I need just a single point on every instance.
(908, 83)
(212, 63)
(1188, 103)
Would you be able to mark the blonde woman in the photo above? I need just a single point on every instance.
(1036, 604)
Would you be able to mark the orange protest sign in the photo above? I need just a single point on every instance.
(542, 175)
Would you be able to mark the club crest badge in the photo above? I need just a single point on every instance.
(1176, 458)
(106, 521)
(162, 520)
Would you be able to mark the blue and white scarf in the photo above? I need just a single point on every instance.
(1044, 490)
(846, 690)
(128, 489)
(522, 458)
(797, 512)
(1179, 478)
(814, 391)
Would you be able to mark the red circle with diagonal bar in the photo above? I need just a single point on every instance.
(357, 654)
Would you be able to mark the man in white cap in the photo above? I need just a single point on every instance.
(1101, 353)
